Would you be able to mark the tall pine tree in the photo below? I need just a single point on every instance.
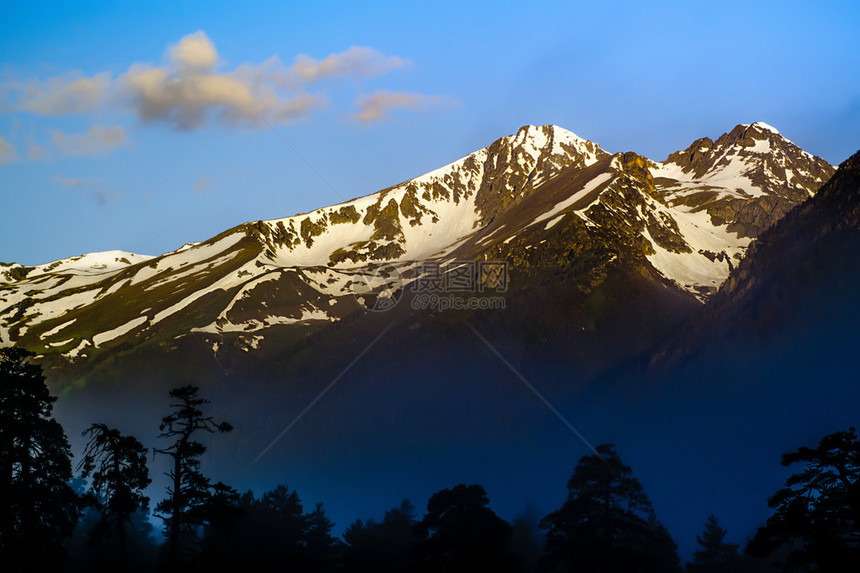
(716, 555)
(117, 467)
(816, 519)
(384, 547)
(38, 508)
(184, 508)
(607, 523)
(460, 533)
(323, 549)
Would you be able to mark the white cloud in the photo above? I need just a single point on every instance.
(377, 105)
(184, 99)
(190, 88)
(95, 141)
(356, 62)
(72, 93)
(66, 182)
(8, 153)
(195, 51)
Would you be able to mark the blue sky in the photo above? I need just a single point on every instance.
(140, 126)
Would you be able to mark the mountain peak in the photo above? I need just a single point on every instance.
(762, 126)
(756, 137)
(540, 198)
(745, 149)
(553, 140)
(532, 131)
(748, 178)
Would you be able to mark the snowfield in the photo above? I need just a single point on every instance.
(427, 218)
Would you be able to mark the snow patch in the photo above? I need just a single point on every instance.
(692, 270)
(77, 350)
(103, 337)
(56, 329)
(762, 125)
(553, 222)
(573, 199)
(91, 263)
(254, 325)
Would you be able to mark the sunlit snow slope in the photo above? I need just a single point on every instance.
(689, 218)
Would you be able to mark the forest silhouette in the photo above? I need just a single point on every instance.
(99, 520)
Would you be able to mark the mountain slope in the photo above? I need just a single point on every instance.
(742, 183)
(550, 204)
(798, 281)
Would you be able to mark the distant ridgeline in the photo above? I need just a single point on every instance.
(605, 254)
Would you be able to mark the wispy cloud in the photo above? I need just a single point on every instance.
(185, 100)
(8, 153)
(191, 88)
(356, 62)
(203, 184)
(71, 93)
(91, 189)
(35, 152)
(377, 106)
(104, 196)
(66, 182)
(97, 140)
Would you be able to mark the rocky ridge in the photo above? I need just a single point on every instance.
(543, 200)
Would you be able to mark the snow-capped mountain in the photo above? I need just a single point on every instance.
(732, 189)
(748, 177)
(799, 280)
(544, 200)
